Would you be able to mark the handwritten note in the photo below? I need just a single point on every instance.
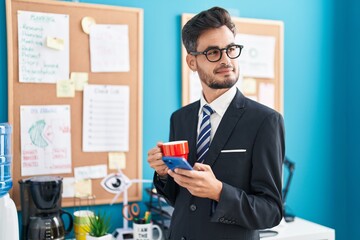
(81, 79)
(45, 139)
(65, 88)
(90, 172)
(117, 160)
(106, 118)
(109, 48)
(41, 58)
(83, 188)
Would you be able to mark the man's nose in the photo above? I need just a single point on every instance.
(224, 57)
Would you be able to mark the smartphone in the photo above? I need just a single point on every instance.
(177, 162)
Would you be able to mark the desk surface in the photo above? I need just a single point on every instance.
(301, 229)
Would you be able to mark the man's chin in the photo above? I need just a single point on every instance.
(222, 85)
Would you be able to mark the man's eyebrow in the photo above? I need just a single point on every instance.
(213, 46)
(210, 47)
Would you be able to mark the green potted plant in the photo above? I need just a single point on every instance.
(98, 227)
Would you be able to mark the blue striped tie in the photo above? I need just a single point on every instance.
(203, 142)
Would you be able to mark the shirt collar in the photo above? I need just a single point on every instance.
(220, 104)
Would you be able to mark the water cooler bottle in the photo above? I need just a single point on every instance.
(9, 228)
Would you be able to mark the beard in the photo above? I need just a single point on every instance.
(215, 83)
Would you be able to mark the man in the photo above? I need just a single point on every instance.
(236, 145)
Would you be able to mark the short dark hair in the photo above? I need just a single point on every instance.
(215, 17)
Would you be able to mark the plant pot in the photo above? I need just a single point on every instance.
(105, 237)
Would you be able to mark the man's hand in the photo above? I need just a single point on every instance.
(200, 182)
(155, 160)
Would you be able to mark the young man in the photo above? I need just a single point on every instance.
(236, 145)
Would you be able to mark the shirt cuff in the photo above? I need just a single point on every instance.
(162, 179)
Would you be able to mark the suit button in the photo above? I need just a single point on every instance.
(193, 207)
(183, 238)
(221, 219)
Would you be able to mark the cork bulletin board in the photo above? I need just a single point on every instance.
(265, 86)
(22, 94)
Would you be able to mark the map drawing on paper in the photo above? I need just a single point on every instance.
(45, 139)
(40, 136)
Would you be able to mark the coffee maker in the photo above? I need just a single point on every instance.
(41, 209)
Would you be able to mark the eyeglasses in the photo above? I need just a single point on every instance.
(215, 54)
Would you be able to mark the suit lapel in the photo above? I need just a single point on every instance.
(226, 126)
(192, 123)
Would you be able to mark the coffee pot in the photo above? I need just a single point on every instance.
(48, 226)
(41, 209)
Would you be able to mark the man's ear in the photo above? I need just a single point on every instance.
(191, 62)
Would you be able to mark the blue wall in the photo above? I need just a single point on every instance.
(341, 140)
(320, 89)
(351, 53)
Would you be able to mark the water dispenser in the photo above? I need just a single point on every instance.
(9, 228)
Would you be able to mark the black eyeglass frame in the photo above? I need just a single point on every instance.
(221, 52)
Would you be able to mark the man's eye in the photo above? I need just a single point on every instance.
(231, 49)
(213, 52)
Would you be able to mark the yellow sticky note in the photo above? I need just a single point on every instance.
(55, 43)
(68, 187)
(248, 86)
(81, 79)
(83, 188)
(117, 160)
(65, 88)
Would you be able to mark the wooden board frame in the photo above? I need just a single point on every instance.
(253, 27)
(45, 94)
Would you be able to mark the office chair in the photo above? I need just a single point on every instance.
(290, 166)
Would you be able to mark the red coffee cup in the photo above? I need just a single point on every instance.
(175, 149)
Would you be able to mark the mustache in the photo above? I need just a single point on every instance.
(224, 66)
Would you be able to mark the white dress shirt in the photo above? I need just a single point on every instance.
(219, 106)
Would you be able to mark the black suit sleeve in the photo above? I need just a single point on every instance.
(262, 206)
(169, 188)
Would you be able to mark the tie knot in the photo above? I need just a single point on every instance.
(207, 110)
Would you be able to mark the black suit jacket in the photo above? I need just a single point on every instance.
(251, 194)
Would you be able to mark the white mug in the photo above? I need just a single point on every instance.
(145, 231)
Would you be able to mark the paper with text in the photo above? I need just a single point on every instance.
(106, 118)
(39, 63)
(109, 48)
(267, 94)
(90, 172)
(45, 139)
(257, 58)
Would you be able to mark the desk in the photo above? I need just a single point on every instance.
(301, 229)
